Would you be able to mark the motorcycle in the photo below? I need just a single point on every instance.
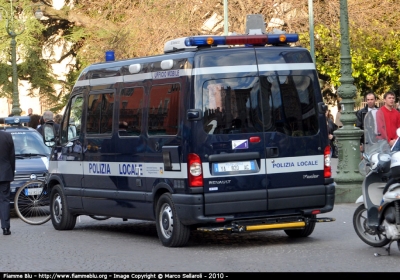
(377, 219)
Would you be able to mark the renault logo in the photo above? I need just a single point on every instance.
(33, 177)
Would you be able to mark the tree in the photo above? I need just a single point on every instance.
(31, 66)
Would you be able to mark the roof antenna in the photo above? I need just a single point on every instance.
(255, 24)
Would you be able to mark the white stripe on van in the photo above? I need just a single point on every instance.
(286, 66)
(156, 170)
(83, 83)
(123, 169)
(106, 81)
(199, 71)
(137, 77)
(224, 69)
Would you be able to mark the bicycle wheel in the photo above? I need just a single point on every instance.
(32, 203)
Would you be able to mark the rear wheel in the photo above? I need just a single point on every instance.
(61, 218)
(170, 230)
(366, 234)
(32, 203)
(306, 231)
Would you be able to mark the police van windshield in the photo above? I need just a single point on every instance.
(282, 103)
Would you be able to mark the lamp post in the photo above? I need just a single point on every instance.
(225, 17)
(15, 28)
(311, 28)
(348, 178)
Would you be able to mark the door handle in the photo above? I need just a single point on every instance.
(272, 152)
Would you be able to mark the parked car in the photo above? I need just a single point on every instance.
(31, 153)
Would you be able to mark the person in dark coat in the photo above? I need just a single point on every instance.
(7, 167)
(48, 118)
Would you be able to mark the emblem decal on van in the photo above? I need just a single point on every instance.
(240, 144)
(166, 74)
(295, 164)
(99, 168)
(222, 182)
(313, 176)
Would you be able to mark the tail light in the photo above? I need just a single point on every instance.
(327, 162)
(195, 171)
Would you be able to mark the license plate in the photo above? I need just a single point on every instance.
(234, 166)
(33, 191)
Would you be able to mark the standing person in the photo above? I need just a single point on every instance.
(41, 121)
(370, 99)
(58, 118)
(30, 112)
(48, 118)
(338, 122)
(7, 167)
(331, 128)
(330, 115)
(388, 126)
(34, 121)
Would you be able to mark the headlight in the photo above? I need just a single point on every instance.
(381, 162)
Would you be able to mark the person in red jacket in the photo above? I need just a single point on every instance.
(388, 126)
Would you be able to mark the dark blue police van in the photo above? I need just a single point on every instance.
(220, 133)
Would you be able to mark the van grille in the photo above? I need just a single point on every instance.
(27, 177)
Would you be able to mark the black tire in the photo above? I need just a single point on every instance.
(171, 232)
(360, 223)
(306, 231)
(33, 208)
(99, 218)
(61, 218)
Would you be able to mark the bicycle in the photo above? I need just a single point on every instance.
(32, 203)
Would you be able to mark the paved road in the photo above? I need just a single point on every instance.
(133, 246)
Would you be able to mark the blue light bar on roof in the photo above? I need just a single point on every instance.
(257, 40)
(17, 120)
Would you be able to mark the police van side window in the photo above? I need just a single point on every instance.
(163, 110)
(292, 104)
(234, 106)
(130, 111)
(100, 113)
(71, 126)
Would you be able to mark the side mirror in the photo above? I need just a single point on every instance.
(71, 131)
(322, 107)
(48, 135)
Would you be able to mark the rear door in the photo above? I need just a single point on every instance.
(294, 145)
(230, 137)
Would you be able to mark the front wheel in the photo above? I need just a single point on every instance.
(306, 231)
(32, 203)
(61, 218)
(170, 230)
(367, 235)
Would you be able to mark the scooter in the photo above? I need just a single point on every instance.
(377, 219)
